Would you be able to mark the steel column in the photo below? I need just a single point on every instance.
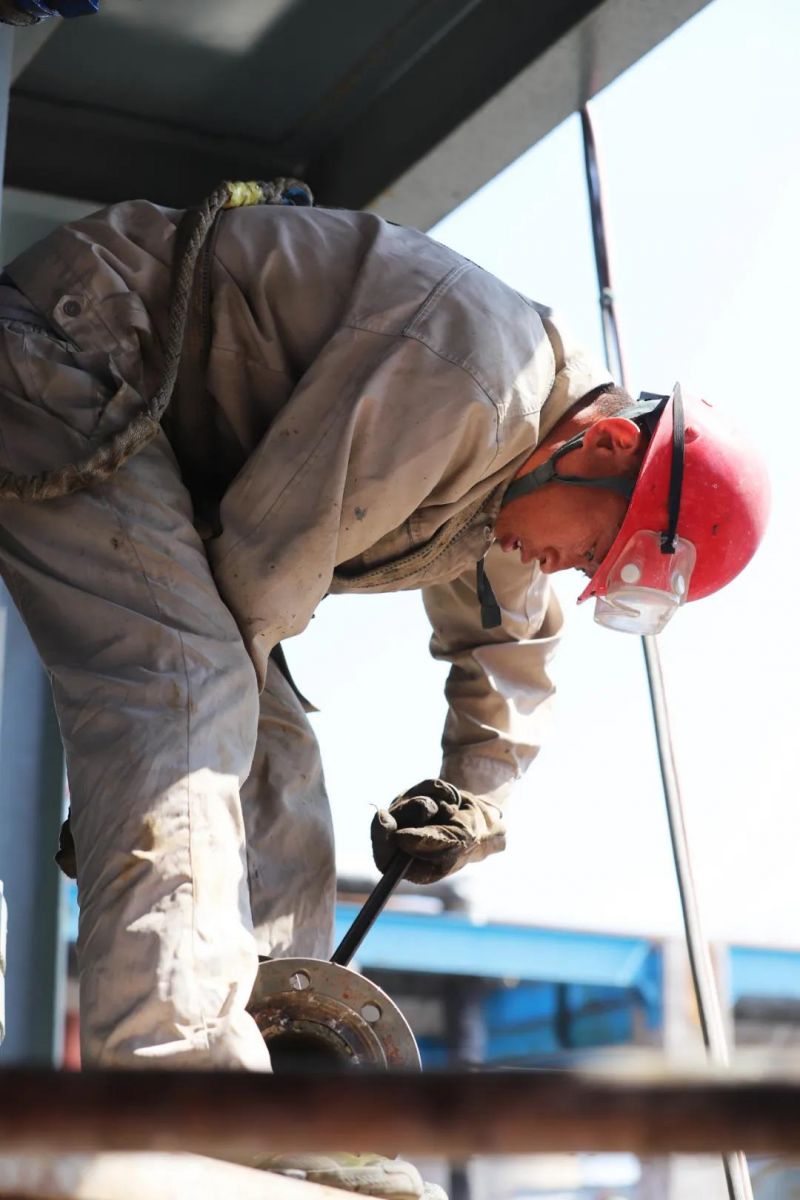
(31, 797)
(6, 48)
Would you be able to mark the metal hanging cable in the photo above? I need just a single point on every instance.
(706, 992)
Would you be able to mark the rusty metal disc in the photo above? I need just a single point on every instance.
(313, 1013)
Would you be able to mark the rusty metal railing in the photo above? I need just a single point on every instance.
(450, 1114)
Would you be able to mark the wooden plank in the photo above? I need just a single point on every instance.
(130, 1176)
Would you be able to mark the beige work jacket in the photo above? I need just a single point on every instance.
(374, 394)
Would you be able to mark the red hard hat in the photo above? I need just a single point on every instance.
(724, 499)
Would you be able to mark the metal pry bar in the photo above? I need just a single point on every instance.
(371, 909)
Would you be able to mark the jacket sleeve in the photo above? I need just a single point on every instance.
(498, 690)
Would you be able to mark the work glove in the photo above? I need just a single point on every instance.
(440, 827)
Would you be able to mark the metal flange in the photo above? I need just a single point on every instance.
(313, 1013)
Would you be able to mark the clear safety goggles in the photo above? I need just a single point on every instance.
(645, 586)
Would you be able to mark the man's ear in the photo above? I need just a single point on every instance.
(617, 440)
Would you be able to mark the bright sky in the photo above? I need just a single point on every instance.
(698, 148)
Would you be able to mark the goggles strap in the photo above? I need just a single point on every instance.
(670, 534)
(647, 404)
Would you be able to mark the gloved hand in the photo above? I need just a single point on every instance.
(441, 827)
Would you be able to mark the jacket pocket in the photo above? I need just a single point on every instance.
(71, 387)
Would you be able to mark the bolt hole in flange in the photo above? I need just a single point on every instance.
(371, 1013)
(300, 981)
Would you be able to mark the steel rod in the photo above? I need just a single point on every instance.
(450, 1114)
(372, 907)
(709, 1004)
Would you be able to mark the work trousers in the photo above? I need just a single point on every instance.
(199, 813)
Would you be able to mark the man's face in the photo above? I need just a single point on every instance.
(562, 526)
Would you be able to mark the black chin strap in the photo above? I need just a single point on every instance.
(670, 535)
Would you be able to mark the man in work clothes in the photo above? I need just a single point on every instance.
(361, 401)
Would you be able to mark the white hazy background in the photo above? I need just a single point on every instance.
(698, 147)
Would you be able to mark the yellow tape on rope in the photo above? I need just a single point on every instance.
(243, 193)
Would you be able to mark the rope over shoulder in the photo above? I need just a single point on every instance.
(192, 232)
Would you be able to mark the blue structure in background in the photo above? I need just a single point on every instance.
(544, 992)
(554, 990)
(759, 973)
(452, 944)
(534, 1020)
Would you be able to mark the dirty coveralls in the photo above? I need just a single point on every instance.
(372, 393)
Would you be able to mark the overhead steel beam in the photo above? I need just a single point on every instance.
(28, 41)
(484, 53)
(438, 104)
(93, 154)
(431, 180)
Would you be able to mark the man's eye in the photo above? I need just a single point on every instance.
(589, 555)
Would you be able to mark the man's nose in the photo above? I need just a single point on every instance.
(549, 560)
